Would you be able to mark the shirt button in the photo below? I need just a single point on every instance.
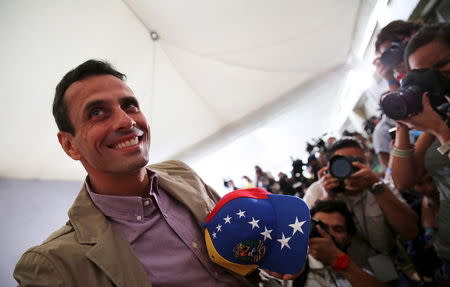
(139, 217)
(147, 203)
(194, 244)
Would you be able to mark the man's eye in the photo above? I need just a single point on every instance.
(131, 107)
(96, 112)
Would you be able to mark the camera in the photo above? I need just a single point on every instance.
(341, 167)
(314, 232)
(407, 100)
(393, 55)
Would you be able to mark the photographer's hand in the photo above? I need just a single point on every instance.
(323, 248)
(362, 179)
(284, 276)
(328, 182)
(429, 121)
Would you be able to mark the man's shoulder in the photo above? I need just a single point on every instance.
(62, 241)
(315, 188)
(170, 165)
(59, 248)
(313, 193)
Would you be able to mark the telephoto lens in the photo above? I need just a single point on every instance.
(341, 167)
(407, 101)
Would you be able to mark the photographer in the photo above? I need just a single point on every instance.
(335, 230)
(331, 237)
(389, 48)
(378, 210)
(428, 49)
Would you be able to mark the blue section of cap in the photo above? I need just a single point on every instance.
(293, 221)
(271, 216)
(226, 236)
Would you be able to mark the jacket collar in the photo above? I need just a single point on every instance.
(198, 202)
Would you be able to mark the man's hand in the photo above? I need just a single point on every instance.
(284, 276)
(362, 179)
(323, 248)
(428, 120)
(328, 182)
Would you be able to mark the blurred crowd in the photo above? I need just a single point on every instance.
(391, 183)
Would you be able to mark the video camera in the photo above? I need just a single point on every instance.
(341, 167)
(407, 100)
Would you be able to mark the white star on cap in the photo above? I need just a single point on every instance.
(254, 223)
(297, 226)
(227, 219)
(284, 241)
(266, 233)
(241, 213)
(214, 235)
(219, 227)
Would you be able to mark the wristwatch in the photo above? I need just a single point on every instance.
(378, 187)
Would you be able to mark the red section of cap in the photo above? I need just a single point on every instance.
(257, 193)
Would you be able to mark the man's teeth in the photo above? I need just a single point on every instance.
(128, 143)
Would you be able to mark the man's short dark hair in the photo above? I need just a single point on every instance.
(396, 31)
(345, 142)
(339, 206)
(85, 70)
(435, 32)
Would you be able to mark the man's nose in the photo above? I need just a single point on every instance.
(123, 121)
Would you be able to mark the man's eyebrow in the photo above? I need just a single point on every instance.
(129, 99)
(92, 104)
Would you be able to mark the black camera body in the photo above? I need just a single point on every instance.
(393, 55)
(407, 100)
(341, 167)
(313, 229)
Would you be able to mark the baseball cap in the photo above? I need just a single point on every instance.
(251, 228)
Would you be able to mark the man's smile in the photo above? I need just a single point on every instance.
(120, 141)
(127, 143)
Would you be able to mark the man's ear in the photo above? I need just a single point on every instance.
(67, 143)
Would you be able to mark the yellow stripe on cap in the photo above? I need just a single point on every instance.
(240, 269)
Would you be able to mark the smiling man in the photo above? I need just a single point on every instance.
(131, 225)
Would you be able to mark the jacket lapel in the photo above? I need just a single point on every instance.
(196, 200)
(114, 256)
(110, 251)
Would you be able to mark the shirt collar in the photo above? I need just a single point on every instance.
(123, 207)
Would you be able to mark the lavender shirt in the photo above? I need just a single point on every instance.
(165, 238)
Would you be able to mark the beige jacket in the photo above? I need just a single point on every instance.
(88, 252)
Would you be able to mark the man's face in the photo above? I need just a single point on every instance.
(353, 152)
(111, 133)
(336, 227)
(434, 55)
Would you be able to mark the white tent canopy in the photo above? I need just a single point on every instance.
(214, 64)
